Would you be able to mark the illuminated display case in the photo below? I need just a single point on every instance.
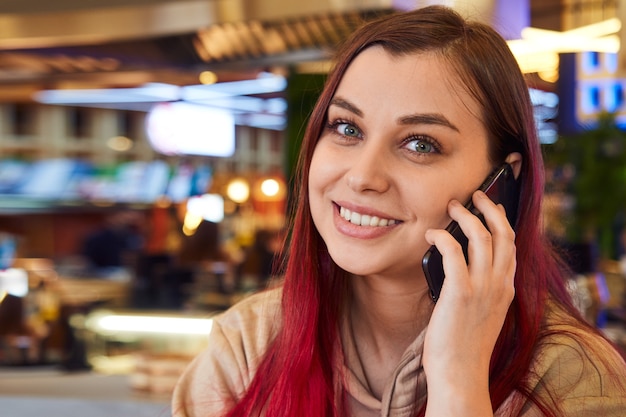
(152, 348)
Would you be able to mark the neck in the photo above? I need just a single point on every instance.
(385, 318)
(389, 314)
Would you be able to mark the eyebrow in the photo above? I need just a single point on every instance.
(411, 119)
(345, 104)
(428, 119)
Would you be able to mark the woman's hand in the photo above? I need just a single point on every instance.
(471, 309)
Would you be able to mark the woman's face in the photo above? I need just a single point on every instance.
(403, 139)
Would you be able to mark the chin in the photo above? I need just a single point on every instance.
(354, 265)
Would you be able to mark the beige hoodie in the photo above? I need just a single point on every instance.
(568, 366)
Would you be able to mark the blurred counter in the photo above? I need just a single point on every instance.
(153, 348)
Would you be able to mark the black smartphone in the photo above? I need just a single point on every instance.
(502, 188)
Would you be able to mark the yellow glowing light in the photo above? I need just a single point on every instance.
(191, 223)
(207, 77)
(120, 143)
(238, 190)
(270, 187)
(549, 76)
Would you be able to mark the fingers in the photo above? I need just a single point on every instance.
(502, 237)
(491, 251)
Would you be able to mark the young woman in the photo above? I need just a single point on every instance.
(420, 108)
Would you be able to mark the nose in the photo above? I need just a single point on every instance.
(369, 170)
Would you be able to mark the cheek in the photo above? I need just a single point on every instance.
(323, 170)
(321, 175)
(428, 200)
(439, 217)
(314, 175)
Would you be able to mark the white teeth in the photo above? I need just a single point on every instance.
(364, 219)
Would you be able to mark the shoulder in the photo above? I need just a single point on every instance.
(239, 338)
(247, 328)
(576, 354)
(564, 336)
(256, 317)
(577, 369)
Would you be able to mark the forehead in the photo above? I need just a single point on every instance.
(415, 81)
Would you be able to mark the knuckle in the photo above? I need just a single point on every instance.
(508, 294)
(484, 236)
(456, 249)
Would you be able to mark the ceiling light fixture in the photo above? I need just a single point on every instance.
(157, 92)
(539, 49)
(148, 93)
(235, 97)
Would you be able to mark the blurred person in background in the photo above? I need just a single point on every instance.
(261, 257)
(110, 250)
(202, 255)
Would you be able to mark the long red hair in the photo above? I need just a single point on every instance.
(298, 374)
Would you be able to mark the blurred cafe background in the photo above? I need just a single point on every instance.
(146, 155)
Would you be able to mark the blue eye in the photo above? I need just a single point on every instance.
(347, 129)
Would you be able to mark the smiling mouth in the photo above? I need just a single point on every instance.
(365, 219)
